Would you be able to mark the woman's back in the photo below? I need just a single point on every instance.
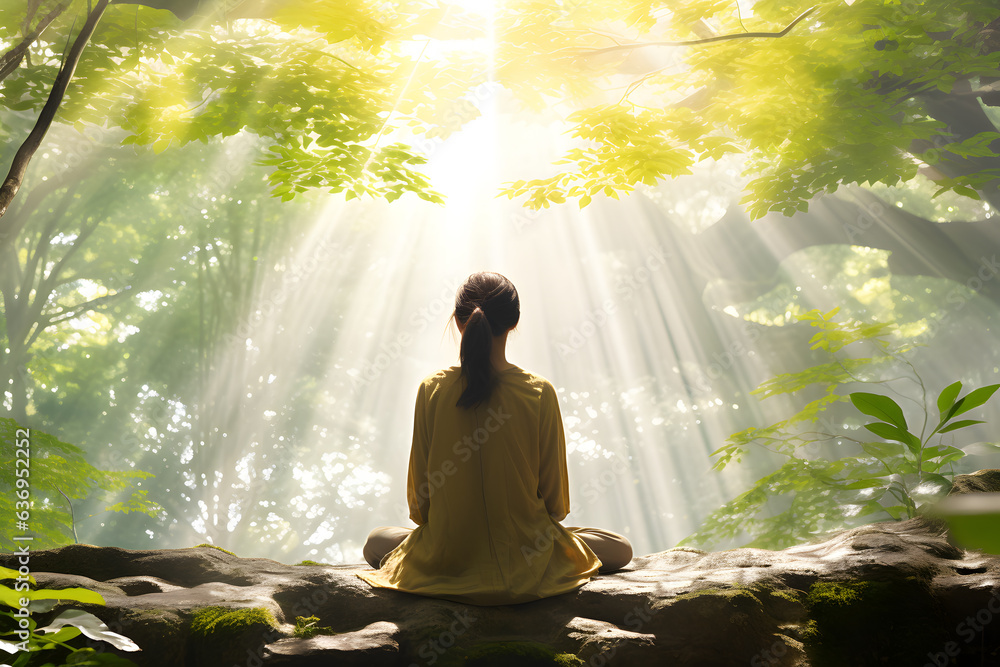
(487, 487)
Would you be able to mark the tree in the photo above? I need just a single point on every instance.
(322, 81)
(857, 92)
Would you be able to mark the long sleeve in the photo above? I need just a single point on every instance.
(417, 487)
(553, 475)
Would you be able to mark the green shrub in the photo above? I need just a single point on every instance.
(834, 476)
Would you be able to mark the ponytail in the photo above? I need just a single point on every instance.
(477, 344)
(485, 306)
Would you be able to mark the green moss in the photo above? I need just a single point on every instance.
(220, 635)
(872, 622)
(788, 595)
(213, 621)
(755, 591)
(313, 563)
(308, 626)
(215, 547)
(506, 653)
(735, 591)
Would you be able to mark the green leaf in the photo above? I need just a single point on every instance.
(973, 400)
(7, 573)
(865, 484)
(946, 454)
(62, 635)
(78, 594)
(890, 432)
(947, 398)
(962, 423)
(942, 482)
(882, 450)
(880, 407)
(897, 512)
(11, 597)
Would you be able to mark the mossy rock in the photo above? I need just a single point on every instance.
(753, 602)
(872, 623)
(507, 653)
(212, 546)
(221, 635)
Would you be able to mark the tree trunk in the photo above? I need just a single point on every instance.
(749, 253)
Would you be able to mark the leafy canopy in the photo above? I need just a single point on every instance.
(846, 96)
(318, 83)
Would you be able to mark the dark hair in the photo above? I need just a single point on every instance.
(486, 305)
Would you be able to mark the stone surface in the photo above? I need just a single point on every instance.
(892, 593)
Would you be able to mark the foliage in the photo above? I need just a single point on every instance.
(308, 626)
(853, 94)
(317, 85)
(167, 248)
(186, 251)
(53, 639)
(829, 478)
(56, 468)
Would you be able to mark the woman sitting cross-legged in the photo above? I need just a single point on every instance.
(488, 483)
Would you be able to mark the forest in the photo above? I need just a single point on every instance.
(755, 241)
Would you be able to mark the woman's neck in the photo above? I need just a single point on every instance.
(498, 353)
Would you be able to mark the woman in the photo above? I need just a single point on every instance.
(487, 483)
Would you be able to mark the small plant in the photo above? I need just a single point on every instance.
(49, 645)
(830, 479)
(916, 461)
(308, 626)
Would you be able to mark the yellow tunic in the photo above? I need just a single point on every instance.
(487, 489)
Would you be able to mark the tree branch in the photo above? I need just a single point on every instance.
(27, 150)
(707, 40)
(70, 313)
(49, 281)
(48, 284)
(41, 250)
(10, 60)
